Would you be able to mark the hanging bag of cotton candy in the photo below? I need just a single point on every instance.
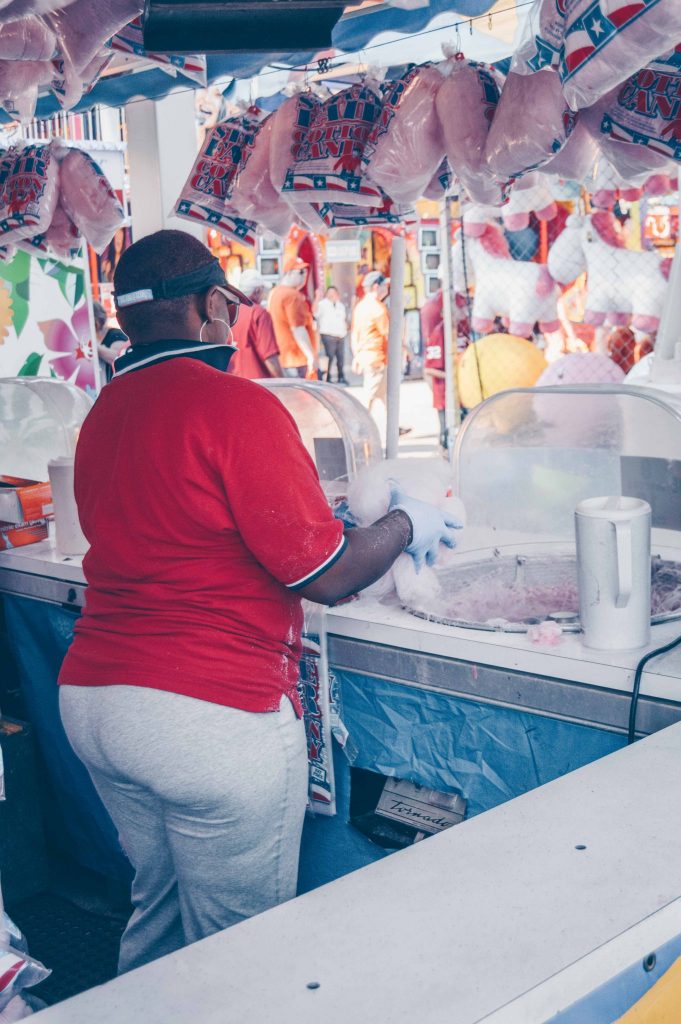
(638, 125)
(206, 196)
(88, 199)
(29, 184)
(326, 148)
(606, 41)
(466, 103)
(255, 197)
(405, 146)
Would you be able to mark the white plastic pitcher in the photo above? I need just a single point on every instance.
(69, 536)
(613, 572)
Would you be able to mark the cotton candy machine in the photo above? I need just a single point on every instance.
(524, 460)
(511, 592)
(338, 432)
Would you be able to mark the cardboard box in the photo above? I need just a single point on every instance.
(23, 501)
(12, 536)
(426, 810)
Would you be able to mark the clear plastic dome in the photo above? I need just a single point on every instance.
(39, 420)
(336, 429)
(525, 458)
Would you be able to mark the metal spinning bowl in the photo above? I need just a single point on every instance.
(478, 595)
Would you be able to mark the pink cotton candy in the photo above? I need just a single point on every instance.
(88, 199)
(83, 27)
(12, 10)
(254, 195)
(62, 235)
(441, 184)
(27, 39)
(531, 125)
(406, 135)
(19, 83)
(465, 104)
(594, 59)
(545, 634)
(576, 159)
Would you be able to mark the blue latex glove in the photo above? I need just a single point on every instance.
(430, 526)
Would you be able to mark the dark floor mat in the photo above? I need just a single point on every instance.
(81, 948)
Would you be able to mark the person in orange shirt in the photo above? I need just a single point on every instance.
(370, 326)
(293, 323)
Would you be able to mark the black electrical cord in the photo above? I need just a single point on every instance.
(631, 736)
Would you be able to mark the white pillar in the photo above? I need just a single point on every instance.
(398, 254)
(162, 147)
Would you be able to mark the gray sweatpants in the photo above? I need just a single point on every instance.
(208, 802)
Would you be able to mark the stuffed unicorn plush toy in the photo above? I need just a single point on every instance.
(521, 293)
(624, 287)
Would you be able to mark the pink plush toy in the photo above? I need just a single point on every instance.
(407, 134)
(605, 41)
(522, 293)
(531, 125)
(466, 104)
(624, 287)
(530, 195)
(88, 199)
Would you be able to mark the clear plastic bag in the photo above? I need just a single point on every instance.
(407, 135)
(27, 39)
(599, 52)
(532, 124)
(466, 103)
(29, 183)
(88, 199)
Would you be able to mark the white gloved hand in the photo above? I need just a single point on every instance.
(430, 526)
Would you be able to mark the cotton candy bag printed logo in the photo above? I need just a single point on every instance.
(210, 186)
(328, 144)
(647, 108)
(606, 40)
(543, 38)
(28, 182)
(314, 696)
(339, 215)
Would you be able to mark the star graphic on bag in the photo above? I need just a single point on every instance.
(597, 27)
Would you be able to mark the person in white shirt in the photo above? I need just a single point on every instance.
(332, 323)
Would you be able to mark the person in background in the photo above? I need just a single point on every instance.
(332, 322)
(293, 323)
(207, 524)
(433, 333)
(370, 327)
(111, 341)
(257, 352)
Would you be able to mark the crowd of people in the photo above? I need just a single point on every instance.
(285, 334)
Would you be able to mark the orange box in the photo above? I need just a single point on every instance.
(23, 501)
(12, 536)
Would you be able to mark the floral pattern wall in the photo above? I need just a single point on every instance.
(44, 322)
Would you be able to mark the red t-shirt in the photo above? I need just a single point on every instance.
(255, 340)
(203, 509)
(435, 360)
